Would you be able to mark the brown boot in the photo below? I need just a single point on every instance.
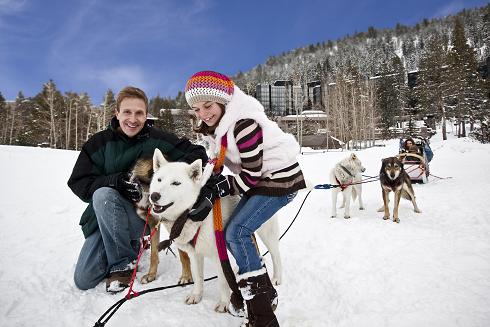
(118, 281)
(256, 290)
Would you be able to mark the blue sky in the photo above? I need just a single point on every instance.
(91, 46)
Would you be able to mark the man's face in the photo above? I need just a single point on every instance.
(131, 116)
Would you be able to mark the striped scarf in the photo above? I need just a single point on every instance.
(236, 296)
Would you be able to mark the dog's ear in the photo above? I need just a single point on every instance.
(158, 160)
(195, 170)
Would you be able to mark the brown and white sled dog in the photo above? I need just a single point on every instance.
(394, 178)
(142, 173)
(174, 189)
(347, 173)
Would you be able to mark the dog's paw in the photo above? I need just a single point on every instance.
(333, 216)
(148, 278)
(221, 307)
(396, 220)
(184, 280)
(386, 218)
(276, 281)
(362, 208)
(193, 298)
(417, 210)
(347, 217)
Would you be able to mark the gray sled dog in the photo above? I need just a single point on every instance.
(345, 173)
(394, 178)
(174, 189)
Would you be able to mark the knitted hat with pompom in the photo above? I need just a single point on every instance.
(208, 86)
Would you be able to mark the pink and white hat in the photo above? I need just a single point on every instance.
(209, 86)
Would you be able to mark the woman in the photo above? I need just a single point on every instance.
(408, 144)
(265, 172)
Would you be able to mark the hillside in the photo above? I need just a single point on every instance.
(370, 50)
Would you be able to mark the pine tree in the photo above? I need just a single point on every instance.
(155, 105)
(482, 115)
(431, 88)
(166, 121)
(183, 125)
(21, 123)
(463, 77)
(13, 119)
(390, 94)
(486, 31)
(50, 116)
(109, 107)
(24, 108)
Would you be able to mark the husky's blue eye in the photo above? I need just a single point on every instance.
(176, 183)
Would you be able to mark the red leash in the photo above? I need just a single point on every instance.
(132, 293)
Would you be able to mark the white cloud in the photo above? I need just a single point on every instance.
(11, 6)
(116, 78)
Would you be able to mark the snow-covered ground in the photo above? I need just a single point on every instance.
(432, 269)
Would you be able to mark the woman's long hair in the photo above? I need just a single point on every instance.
(202, 128)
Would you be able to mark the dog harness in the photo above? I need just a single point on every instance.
(344, 186)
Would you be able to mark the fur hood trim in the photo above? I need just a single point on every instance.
(234, 111)
(280, 149)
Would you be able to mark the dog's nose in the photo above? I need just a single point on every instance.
(363, 169)
(155, 196)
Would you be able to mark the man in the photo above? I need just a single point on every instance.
(111, 227)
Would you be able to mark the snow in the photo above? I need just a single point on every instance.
(432, 269)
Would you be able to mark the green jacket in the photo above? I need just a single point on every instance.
(110, 152)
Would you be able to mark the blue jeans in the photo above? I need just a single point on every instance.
(114, 245)
(248, 216)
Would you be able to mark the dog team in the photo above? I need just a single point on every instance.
(130, 167)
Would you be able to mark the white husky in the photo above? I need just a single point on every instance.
(345, 173)
(174, 189)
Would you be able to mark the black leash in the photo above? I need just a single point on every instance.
(112, 310)
(440, 177)
(369, 179)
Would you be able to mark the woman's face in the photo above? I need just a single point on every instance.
(207, 111)
(409, 144)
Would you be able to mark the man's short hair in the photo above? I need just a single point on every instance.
(131, 92)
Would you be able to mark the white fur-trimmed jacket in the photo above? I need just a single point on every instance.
(279, 148)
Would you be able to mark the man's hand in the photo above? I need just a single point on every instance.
(130, 190)
(216, 186)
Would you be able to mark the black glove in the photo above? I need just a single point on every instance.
(130, 190)
(216, 186)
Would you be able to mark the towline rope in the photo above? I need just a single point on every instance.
(369, 179)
